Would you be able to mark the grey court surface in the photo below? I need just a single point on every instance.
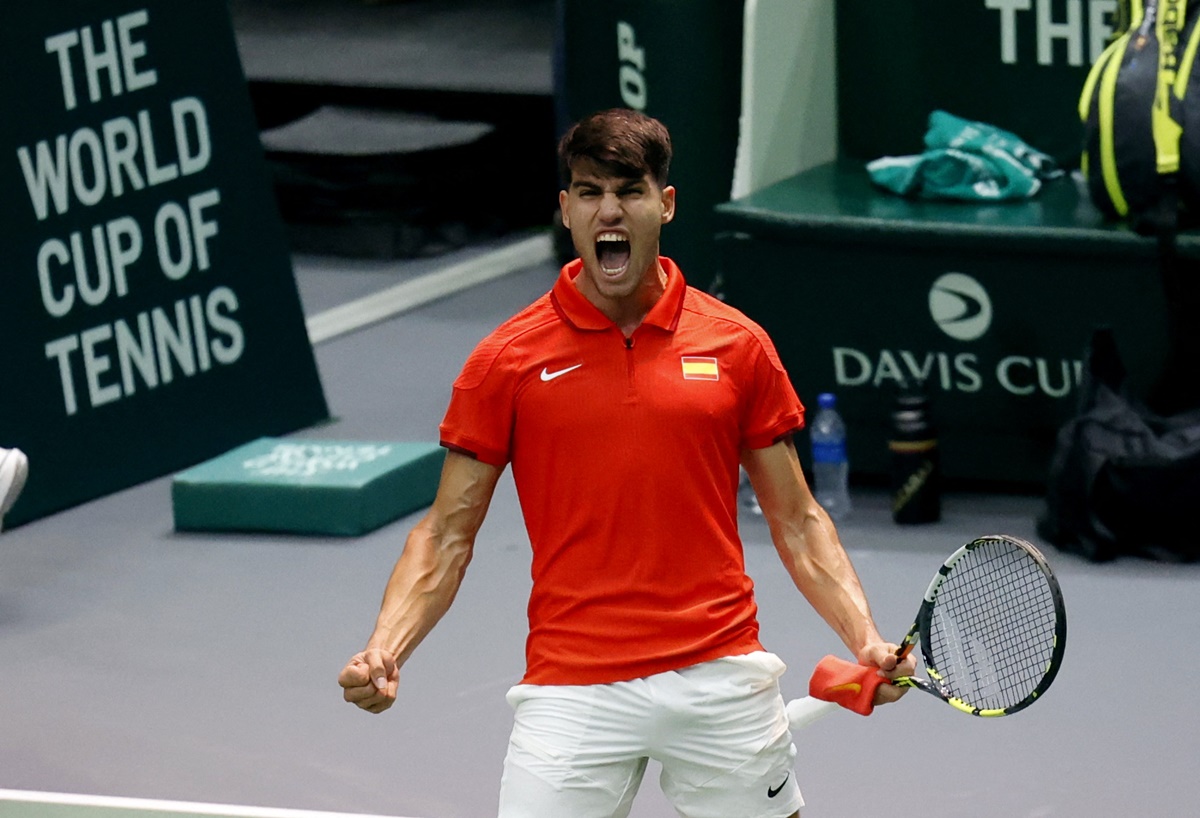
(136, 662)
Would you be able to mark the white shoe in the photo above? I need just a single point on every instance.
(14, 468)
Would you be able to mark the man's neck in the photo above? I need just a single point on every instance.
(628, 312)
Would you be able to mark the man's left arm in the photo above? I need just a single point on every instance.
(808, 543)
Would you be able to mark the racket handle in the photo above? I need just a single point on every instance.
(803, 712)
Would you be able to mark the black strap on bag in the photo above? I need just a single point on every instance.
(1123, 480)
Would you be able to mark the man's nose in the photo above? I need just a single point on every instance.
(610, 206)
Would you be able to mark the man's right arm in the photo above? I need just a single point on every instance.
(424, 581)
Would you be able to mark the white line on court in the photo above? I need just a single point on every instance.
(182, 807)
(387, 303)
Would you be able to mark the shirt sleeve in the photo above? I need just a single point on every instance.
(479, 420)
(774, 409)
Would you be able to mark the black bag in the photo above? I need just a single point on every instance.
(1123, 480)
(1141, 153)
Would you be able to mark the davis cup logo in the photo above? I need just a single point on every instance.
(960, 306)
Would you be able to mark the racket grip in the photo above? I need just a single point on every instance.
(803, 712)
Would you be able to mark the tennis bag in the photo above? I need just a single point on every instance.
(1123, 480)
(1140, 109)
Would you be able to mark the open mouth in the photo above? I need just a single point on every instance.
(612, 251)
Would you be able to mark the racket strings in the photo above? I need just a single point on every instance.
(993, 627)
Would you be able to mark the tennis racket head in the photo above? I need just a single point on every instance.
(992, 627)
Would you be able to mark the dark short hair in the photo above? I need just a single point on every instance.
(621, 142)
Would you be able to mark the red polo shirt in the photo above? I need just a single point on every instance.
(625, 456)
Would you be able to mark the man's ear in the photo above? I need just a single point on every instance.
(668, 203)
(562, 207)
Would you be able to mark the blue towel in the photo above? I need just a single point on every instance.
(966, 161)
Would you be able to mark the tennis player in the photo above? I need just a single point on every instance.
(624, 401)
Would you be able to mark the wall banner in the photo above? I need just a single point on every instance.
(149, 317)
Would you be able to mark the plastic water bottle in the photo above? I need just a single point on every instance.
(831, 468)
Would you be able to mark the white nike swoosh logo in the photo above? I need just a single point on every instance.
(549, 376)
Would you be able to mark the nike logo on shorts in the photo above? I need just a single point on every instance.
(549, 376)
(774, 791)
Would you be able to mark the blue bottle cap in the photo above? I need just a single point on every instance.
(826, 400)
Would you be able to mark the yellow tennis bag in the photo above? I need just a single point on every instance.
(1141, 154)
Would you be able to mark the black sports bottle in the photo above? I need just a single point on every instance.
(915, 467)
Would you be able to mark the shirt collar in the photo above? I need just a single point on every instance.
(576, 310)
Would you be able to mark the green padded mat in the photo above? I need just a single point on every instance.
(307, 486)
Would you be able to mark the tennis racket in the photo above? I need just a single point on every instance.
(992, 629)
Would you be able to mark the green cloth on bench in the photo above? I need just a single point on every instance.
(966, 161)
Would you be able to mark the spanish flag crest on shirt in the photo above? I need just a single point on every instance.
(700, 369)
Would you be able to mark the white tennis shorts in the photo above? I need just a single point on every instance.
(718, 729)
